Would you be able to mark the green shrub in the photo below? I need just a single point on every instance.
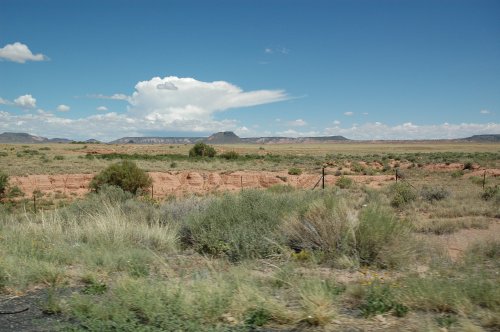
(201, 149)
(58, 157)
(468, 165)
(402, 194)
(257, 317)
(380, 299)
(125, 175)
(294, 171)
(431, 194)
(327, 225)
(357, 167)
(381, 238)
(237, 226)
(230, 155)
(478, 180)
(344, 182)
(4, 181)
(457, 174)
(490, 193)
(15, 192)
(3, 154)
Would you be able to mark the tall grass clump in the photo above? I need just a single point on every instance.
(382, 239)
(331, 226)
(328, 225)
(238, 226)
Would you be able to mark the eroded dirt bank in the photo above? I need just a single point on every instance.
(183, 182)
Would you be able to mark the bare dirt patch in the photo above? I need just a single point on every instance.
(456, 243)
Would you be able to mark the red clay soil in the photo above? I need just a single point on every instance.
(183, 182)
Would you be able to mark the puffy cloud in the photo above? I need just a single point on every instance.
(348, 113)
(409, 131)
(20, 53)
(297, 123)
(160, 104)
(484, 112)
(63, 108)
(166, 86)
(295, 133)
(4, 101)
(106, 126)
(278, 49)
(336, 122)
(193, 99)
(116, 96)
(25, 101)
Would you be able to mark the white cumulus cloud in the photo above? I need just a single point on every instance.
(297, 123)
(102, 108)
(25, 101)
(19, 52)
(193, 100)
(116, 96)
(166, 86)
(190, 108)
(348, 113)
(4, 101)
(63, 108)
(410, 131)
(484, 112)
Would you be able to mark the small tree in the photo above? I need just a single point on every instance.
(125, 175)
(4, 181)
(201, 149)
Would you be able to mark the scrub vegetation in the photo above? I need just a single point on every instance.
(275, 259)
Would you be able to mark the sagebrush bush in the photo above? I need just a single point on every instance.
(431, 194)
(327, 225)
(294, 171)
(125, 175)
(238, 226)
(402, 194)
(4, 181)
(468, 165)
(201, 149)
(382, 239)
(344, 182)
(491, 193)
(230, 155)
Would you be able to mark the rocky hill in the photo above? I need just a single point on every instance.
(223, 137)
(157, 140)
(289, 140)
(22, 138)
(483, 138)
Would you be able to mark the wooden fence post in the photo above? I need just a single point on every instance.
(323, 177)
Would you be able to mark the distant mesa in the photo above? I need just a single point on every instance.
(156, 140)
(226, 137)
(21, 138)
(25, 138)
(223, 137)
(483, 138)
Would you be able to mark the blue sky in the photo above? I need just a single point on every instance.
(394, 69)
